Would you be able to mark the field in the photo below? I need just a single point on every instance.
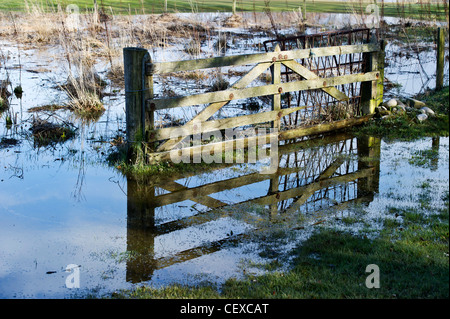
(422, 10)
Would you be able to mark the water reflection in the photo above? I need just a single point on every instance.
(314, 177)
(435, 148)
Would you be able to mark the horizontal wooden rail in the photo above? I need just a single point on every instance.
(304, 192)
(309, 189)
(271, 89)
(192, 65)
(221, 124)
(261, 139)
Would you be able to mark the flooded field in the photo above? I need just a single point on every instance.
(198, 228)
(62, 204)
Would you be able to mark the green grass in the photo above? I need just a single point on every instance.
(424, 158)
(405, 126)
(412, 257)
(431, 11)
(133, 163)
(437, 100)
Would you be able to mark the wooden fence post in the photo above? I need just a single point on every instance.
(372, 91)
(381, 55)
(138, 88)
(369, 148)
(440, 59)
(275, 70)
(140, 230)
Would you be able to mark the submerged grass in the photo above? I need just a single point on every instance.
(424, 158)
(46, 133)
(132, 162)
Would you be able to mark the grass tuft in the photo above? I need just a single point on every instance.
(403, 126)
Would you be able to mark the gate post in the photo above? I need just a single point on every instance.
(440, 59)
(369, 149)
(372, 92)
(275, 70)
(138, 88)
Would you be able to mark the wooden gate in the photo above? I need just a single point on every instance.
(305, 75)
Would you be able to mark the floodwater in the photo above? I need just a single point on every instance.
(63, 205)
(201, 227)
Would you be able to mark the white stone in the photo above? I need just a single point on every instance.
(391, 103)
(416, 103)
(400, 103)
(402, 107)
(426, 110)
(422, 117)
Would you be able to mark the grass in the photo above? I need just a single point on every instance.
(8, 142)
(437, 100)
(424, 158)
(405, 126)
(422, 11)
(414, 266)
(132, 162)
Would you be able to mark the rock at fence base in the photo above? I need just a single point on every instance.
(426, 110)
(401, 108)
(415, 103)
(422, 117)
(381, 111)
(391, 103)
(400, 103)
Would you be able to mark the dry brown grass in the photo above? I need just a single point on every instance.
(100, 38)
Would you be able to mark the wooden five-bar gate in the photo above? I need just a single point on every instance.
(331, 70)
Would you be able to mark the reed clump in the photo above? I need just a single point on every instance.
(4, 95)
(85, 92)
(85, 103)
(45, 132)
(84, 86)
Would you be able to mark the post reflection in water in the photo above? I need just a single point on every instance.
(314, 178)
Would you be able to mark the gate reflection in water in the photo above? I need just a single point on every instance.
(315, 177)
